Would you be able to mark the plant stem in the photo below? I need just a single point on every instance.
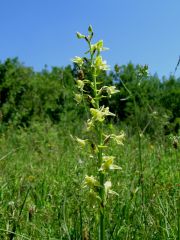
(141, 170)
(101, 192)
(101, 175)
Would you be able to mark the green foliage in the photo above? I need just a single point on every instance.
(170, 100)
(14, 86)
(42, 168)
(140, 100)
(44, 163)
(26, 96)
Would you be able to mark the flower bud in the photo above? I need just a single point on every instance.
(79, 35)
(80, 84)
(90, 30)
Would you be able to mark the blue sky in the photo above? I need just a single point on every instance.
(42, 32)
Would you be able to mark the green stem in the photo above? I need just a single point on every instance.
(101, 192)
(141, 177)
(101, 175)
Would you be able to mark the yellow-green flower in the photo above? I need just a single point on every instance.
(78, 98)
(81, 142)
(108, 164)
(111, 90)
(78, 60)
(90, 124)
(99, 114)
(107, 187)
(107, 112)
(80, 84)
(99, 47)
(91, 182)
(100, 64)
(118, 138)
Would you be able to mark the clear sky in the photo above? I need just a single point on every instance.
(42, 32)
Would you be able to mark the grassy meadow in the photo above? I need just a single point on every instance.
(41, 186)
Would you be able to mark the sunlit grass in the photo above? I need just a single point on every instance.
(41, 197)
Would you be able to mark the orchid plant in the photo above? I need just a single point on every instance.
(99, 185)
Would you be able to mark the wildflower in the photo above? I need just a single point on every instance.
(118, 138)
(90, 124)
(78, 60)
(98, 187)
(111, 90)
(81, 142)
(108, 164)
(107, 112)
(91, 182)
(107, 187)
(100, 64)
(99, 114)
(80, 84)
(99, 47)
(78, 98)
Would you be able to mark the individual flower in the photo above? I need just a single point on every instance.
(107, 112)
(91, 182)
(99, 47)
(107, 187)
(81, 142)
(108, 164)
(80, 84)
(78, 98)
(111, 90)
(78, 60)
(101, 113)
(118, 138)
(100, 64)
(98, 115)
(90, 124)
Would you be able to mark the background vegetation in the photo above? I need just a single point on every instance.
(41, 168)
(26, 96)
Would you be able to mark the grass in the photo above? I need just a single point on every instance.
(41, 194)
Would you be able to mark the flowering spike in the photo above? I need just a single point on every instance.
(97, 185)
